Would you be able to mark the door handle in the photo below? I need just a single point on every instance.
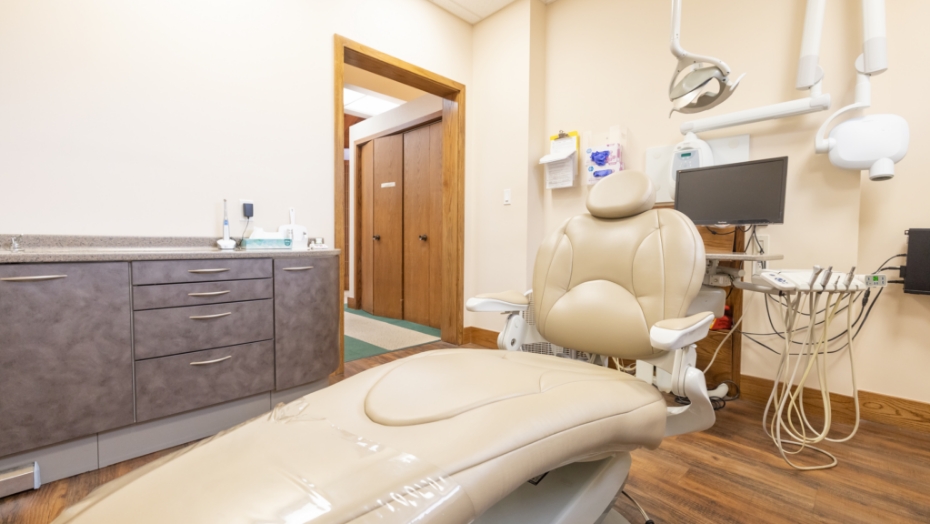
(376, 237)
(214, 361)
(423, 237)
(205, 317)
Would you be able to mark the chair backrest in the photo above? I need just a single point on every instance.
(603, 279)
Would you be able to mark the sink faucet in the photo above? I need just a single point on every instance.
(14, 244)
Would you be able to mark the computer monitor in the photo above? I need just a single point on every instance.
(739, 194)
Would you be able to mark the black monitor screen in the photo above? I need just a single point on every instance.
(743, 193)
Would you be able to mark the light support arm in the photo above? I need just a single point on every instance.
(809, 70)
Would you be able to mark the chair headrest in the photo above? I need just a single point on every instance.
(622, 194)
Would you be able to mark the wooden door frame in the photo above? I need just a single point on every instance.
(453, 173)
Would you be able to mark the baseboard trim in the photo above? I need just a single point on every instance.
(874, 407)
(482, 337)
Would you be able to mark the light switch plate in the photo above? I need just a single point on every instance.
(507, 197)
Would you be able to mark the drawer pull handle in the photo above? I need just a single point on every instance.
(298, 268)
(205, 317)
(33, 279)
(216, 270)
(207, 293)
(214, 361)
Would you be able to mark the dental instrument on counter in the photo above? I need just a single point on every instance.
(226, 242)
(298, 234)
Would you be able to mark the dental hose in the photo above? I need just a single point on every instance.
(786, 401)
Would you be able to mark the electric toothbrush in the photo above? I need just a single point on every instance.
(226, 242)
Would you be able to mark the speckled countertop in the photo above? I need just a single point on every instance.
(55, 248)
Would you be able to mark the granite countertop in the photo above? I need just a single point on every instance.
(55, 248)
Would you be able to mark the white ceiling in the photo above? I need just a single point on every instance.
(473, 11)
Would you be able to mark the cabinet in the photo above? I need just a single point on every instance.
(306, 319)
(65, 352)
(88, 347)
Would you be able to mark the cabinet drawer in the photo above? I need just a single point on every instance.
(172, 271)
(169, 385)
(161, 332)
(177, 295)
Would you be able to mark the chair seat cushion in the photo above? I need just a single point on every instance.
(485, 420)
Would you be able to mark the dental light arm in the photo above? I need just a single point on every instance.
(810, 76)
(874, 142)
(689, 94)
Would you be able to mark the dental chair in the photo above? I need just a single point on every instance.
(465, 435)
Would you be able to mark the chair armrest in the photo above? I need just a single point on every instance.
(676, 333)
(506, 302)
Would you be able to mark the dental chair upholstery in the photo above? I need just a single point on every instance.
(444, 436)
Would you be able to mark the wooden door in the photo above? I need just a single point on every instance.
(365, 212)
(435, 224)
(388, 225)
(416, 225)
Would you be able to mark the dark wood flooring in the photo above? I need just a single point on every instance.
(729, 473)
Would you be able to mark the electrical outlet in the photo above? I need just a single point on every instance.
(242, 201)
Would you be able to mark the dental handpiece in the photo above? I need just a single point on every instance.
(814, 273)
(850, 277)
(826, 277)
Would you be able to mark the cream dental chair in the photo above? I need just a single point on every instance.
(453, 436)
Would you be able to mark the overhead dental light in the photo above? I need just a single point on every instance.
(873, 142)
(691, 87)
(810, 76)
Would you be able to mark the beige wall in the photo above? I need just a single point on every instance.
(504, 123)
(599, 77)
(138, 118)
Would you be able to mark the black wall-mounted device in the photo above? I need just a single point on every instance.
(247, 210)
(917, 272)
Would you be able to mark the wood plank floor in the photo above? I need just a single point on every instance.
(729, 473)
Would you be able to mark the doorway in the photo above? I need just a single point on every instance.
(399, 235)
(451, 226)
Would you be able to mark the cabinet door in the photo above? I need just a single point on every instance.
(306, 319)
(65, 352)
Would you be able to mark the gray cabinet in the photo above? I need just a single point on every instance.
(65, 352)
(307, 300)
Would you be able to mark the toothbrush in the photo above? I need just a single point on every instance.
(226, 242)
(225, 221)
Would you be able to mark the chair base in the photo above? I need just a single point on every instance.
(579, 493)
